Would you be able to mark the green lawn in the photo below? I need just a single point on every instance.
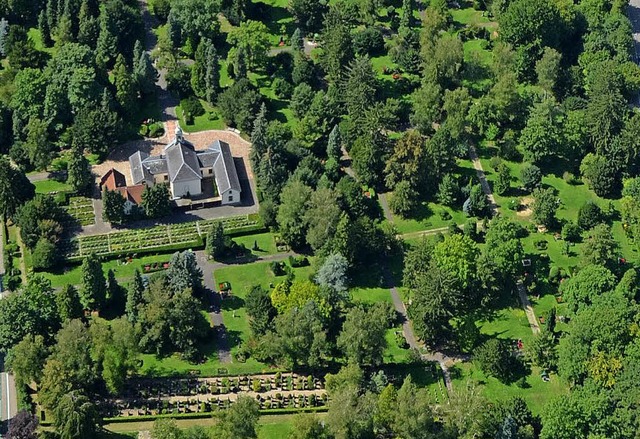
(35, 36)
(428, 215)
(48, 186)
(210, 120)
(536, 392)
(265, 241)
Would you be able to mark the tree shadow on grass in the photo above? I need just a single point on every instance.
(234, 338)
(422, 374)
(232, 303)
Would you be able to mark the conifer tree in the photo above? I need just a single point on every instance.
(334, 149)
(259, 137)
(79, 173)
(134, 297)
(45, 32)
(212, 75)
(297, 43)
(125, 86)
(87, 26)
(94, 287)
(215, 240)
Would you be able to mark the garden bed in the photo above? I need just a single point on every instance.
(155, 239)
(80, 209)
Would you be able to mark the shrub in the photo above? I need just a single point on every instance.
(531, 177)
(569, 178)
(495, 162)
(192, 106)
(282, 88)
(541, 244)
(45, 255)
(571, 232)
(445, 215)
(589, 215)
(156, 129)
(277, 268)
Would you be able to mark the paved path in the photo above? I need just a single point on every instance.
(477, 164)
(222, 341)
(8, 401)
(634, 16)
(522, 292)
(528, 309)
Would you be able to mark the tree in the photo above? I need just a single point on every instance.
(334, 273)
(541, 138)
(589, 215)
(530, 26)
(239, 104)
(252, 38)
(93, 291)
(79, 173)
(503, 180)
(307, 426)
(413, 417)
(308, 13)
(259, 309)
(165, 428)
(134, 297)
(24, 425)
(15, 188)
(297, 42)
(299, 337)
(544, 207)
(44, 255)
(448, 190)
(96, 129)
(322, 217)
(426, 107)
(240, 420)
(362, 338)
(408, 162)
(600, 173)
(337, 43)
(113, 206)
(531, 177)
(494, 358)
(215, 241)
(334, 145)
(404, 199)
(294, 202)
(156, 201)
(478, 204)
(76, 417)
(184, 273)
(126, 92)
(32, 311)
(548, 69)
(543, 350)
(27, 358)
(600, 247)
(68, 303)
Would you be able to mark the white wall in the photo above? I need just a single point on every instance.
(181, 188)
(235, 195)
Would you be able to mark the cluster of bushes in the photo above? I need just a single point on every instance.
(12, 278)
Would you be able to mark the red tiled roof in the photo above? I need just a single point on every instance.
(132, 193)
(112, 180)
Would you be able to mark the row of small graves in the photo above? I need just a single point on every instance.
(149, 397)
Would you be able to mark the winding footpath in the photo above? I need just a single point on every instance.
(522, 291)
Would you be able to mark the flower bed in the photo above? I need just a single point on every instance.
(159, 238)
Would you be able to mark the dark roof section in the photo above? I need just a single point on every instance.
(182, 162)
(224, 168)
(139, 173)
(155, 165)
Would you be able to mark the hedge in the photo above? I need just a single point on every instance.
(202, 415)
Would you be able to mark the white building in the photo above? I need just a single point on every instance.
(184, 169)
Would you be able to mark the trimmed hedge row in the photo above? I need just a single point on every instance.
(202, 415)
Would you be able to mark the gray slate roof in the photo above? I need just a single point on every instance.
(138, 172)
(224, 168)
(182, 162)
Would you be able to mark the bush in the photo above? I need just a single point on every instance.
(589, 215)
(282, 88)
(298, 261)
(531, 177)
(277, 268)
(45, 255)
(495, 162)
(541, 244)
(368, 41)
(192, 106)
(156, 129)
(569, 178)
(571, 232)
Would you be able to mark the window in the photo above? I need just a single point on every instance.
(166, 178)
(230, 198)
(210, 171)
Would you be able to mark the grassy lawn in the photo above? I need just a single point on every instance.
(265, 241)
(269, 426)
(535, 392)
(429, 215)
(48, 186)
(210, 120)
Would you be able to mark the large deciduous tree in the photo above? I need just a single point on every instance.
(156, 201)
(76, 417)
(15, 188)
(363, 335)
